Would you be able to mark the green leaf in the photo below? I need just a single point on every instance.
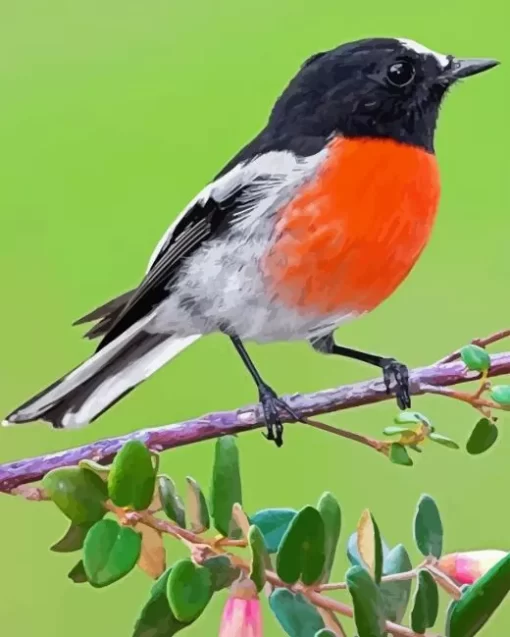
(156, 619)
(396, 595)
(393, 430)
(325, 632)
(260, 560)
(226, 485)
(79, 493)
(483, 436)
(411, 418)
(189, 590)
(353, 554)
(425, 604)
(475, 358)
(501, 394)
(132, 478)
(399, 455)
(443, 440)
(77, 573)
(223, 572)
(331, 515)
(171, 502)
(273, 523)
(72, 540)
(302, 549)
(110, 552)
(367, 601)
(198, 511)
(478, 602)
(296, 616)
(428, 528)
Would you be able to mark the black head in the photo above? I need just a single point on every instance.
(379, 87)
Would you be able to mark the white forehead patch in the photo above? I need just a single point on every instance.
(418, 48)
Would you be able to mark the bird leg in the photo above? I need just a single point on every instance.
(268, 398)
(391, 368)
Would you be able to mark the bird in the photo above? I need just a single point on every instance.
(315, 222)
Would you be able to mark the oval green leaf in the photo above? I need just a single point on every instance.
(475, 358)
(156, 619)
(302, 549)
(428, 528)
(132, 478)
(411, 418)
(396, 595)
(325, 632)
(273, 524)
(425, 603)
(501, 394)
(73, 539)
(367, 601)
(443, 440)
(394, 430)
(189, 590)
(399, 455)
(198, 511)
(331, 515)
(226, 485)
(260, 560)
(296, 616)
(223, 572)
(483, 436)
(479, 601)
(79, 493)
(171, 502)
(110, 552)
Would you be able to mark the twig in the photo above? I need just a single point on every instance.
(350, 435)
(396, 577)
(421, 381)
(481, 342)
(475, 400)
(444, 581)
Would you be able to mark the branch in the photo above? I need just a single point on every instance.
(422, 380)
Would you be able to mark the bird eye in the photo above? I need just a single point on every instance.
(401, 73)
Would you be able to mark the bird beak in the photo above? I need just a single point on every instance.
(465, 67)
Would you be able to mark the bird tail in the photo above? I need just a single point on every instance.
(89, 390)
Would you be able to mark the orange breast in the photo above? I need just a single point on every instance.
(354, 232)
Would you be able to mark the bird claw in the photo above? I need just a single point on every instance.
(271, 405)
(397, 372)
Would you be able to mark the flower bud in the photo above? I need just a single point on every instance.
(242, 616)
(466, 568)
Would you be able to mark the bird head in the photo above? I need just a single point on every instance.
(375, 87)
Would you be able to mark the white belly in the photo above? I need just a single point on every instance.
(223, 285)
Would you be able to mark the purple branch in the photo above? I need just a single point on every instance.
(14, 474)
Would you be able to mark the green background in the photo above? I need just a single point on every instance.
(112, 116)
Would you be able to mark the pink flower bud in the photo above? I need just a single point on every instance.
(242, 615)
(466, 568)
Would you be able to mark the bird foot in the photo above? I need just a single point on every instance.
(271, 406)
(393, 371)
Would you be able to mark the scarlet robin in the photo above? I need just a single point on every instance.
(314, 222)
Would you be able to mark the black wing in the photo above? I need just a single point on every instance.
(225, 200)
(203, 220)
